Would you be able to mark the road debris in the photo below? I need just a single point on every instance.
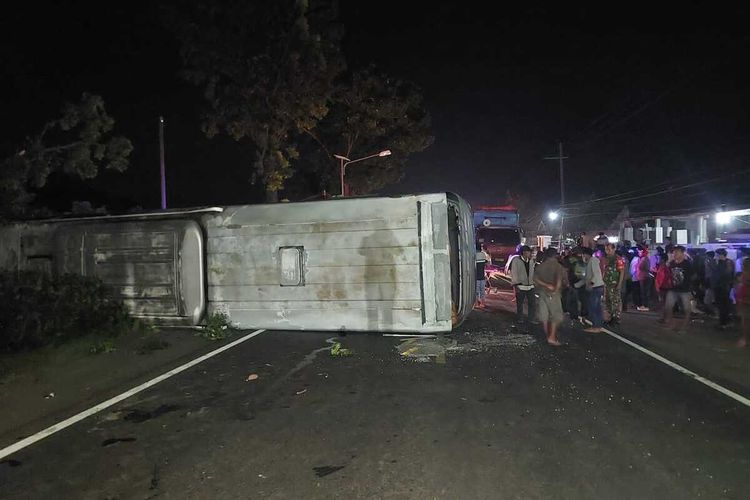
(484, 342)
(251, 377)
(423, 350)
(111, 441)
(50, 395)
(301, 392)
(327, 470)
(337, 350)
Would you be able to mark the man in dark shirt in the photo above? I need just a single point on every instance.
(683, 275)
(709, 271)
(722, 281)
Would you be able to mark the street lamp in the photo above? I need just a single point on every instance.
(560, 158)
(553, 215)
(346, 161)
(723, 218)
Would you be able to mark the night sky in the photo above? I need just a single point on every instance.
(640, 97)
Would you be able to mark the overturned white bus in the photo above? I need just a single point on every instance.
(397, 264)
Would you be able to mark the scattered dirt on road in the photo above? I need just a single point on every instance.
(327, 470)
(484, 341)
(139, 416)
(111, 441)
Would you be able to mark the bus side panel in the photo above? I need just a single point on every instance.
(155, 267)
(349, 264)
(27, 247)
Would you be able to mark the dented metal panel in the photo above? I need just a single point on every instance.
(362, 264)
(155, 267)
(27, 247)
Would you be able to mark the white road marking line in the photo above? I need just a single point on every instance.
(713, 385)
(408, 335)
(28, 441)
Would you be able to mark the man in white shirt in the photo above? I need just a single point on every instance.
(595, 286)
(522, 279)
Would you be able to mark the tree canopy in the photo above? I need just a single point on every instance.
(273, 74)
(370, 112)
(267, 71)
(78, 143)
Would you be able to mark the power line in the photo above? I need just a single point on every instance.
(617, 198)
(688, 186)
(603, 119)
(684, 196)
(588, 214)
(648, 213)
(629, 116)
(572, 205)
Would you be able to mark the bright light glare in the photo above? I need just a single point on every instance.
(386, 152)
(553, 215)
(613, 239)
(723, 218)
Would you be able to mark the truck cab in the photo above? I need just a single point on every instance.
(498, 228)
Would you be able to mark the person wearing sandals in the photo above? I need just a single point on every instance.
(548, 278)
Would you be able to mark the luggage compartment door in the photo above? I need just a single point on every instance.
(155, 267)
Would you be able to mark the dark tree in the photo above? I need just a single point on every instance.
(267, 70)
(78, 143)
(370, 112)
(530, 208)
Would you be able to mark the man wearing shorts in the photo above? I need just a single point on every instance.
(548, 278)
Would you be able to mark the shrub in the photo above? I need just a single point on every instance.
(102, 346)
(37, 309)
(217, 327)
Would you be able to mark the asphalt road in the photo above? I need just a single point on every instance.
(505, 417)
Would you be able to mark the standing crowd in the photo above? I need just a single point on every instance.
(594, 282)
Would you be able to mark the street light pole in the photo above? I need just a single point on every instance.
(562, 174)
(346, 161)
(162, 168)
(341, 171)
(560, 157)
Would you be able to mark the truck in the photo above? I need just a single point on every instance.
(498, 228)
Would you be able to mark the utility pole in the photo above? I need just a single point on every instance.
(162, 170)
(560, 157)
